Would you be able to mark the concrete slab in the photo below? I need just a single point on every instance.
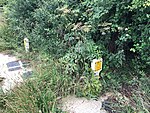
(12, 71)
(72, 104)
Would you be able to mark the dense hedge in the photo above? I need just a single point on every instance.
(76, 31)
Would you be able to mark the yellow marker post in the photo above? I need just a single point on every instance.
(96, 66)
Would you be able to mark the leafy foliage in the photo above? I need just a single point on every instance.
(77, 60)
(74, 32)
(2, 2)
(119, 29)
(89, 86)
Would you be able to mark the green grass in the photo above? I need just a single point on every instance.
(42, 92)
(49, 84)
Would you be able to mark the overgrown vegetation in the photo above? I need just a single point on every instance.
(119, 30)
(2, 2)
(42, 93)
(73, 32)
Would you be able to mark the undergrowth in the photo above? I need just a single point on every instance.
(74, 33)
(131, 91)
(7, 41)
(43, 92)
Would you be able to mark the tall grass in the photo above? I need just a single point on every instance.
(41, 93)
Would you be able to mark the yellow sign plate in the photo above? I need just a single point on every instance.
(98, 65)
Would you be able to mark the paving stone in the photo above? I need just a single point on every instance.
(12, 70)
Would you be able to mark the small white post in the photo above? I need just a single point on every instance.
(26, 44)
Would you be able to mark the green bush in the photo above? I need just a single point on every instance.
(89, 86)
(78, 60)
(119, 29)
(7, 39)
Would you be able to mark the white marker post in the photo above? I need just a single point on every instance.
(26, 44)
(96, 66)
